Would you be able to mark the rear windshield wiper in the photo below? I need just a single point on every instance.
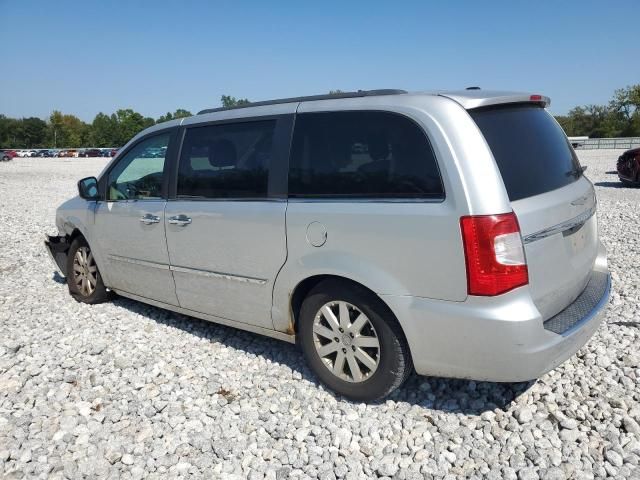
(576, 172)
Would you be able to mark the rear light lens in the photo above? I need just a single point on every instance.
(494, 254)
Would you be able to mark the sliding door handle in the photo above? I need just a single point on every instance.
(148, 219)
(180, 220)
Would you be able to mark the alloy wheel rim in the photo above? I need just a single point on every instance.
(85, 271)
(346, 341)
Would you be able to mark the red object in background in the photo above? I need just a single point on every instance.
(629, 167)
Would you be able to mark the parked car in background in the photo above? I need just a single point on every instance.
(109, 152)
(6, 155)
(44, 153)
(23, 153)
(452, 232)
(629, 167)
(91, 152)
(68, 153)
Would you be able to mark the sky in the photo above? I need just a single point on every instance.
(90, 56)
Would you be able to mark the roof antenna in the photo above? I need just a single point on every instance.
(472, 88)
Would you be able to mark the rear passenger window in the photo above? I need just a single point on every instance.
(226, 161)
(362, 155)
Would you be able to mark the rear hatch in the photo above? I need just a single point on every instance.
(554, 202)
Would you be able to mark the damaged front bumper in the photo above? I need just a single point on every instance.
(57, 247)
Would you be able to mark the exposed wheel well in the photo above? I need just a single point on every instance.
(304, 287)
(76, 233)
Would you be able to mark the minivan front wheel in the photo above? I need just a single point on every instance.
(83, 277)
(352, 341)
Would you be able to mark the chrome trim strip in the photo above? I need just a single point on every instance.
(594, 311)
(144, 263)
(226, 276)
(561, 227)
(194, 271)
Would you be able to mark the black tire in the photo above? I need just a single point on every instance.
(394, 358)
(99, 292)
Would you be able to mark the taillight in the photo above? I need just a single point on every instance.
(494, 254)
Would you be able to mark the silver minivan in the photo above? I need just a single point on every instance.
(453, 233)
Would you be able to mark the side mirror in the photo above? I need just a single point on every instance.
(88, 188)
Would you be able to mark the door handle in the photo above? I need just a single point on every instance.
(181, 220)
(148, 219)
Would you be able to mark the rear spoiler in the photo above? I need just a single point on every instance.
(479, 98)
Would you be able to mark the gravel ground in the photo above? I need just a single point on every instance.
(124, 390)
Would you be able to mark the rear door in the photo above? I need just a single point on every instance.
(225, 225)
(554, 202)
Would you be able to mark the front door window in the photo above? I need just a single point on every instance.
(139, 174)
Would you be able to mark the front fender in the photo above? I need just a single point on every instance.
(78, 215)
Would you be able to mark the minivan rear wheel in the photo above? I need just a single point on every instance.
(352, 341)
(83, 277)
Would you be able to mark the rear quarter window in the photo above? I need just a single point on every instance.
(531, 150)
(373, 155)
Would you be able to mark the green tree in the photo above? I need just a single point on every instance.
(67, 131)
(228, 101)
(625, 107)
(129, 124)
(179, 113)
(619, 118)
(34, 132)
(4, 130)
(104, 131)
(11, 133)
(55, 135)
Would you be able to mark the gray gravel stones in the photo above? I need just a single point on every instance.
(524, 414)
(124, 390)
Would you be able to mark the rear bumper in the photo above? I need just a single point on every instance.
(57, 247)
(502, 339)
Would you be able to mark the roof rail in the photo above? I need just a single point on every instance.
(328, 96)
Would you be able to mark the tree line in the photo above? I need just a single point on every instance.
(619, 118)
(62, 130)
(68, 131)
